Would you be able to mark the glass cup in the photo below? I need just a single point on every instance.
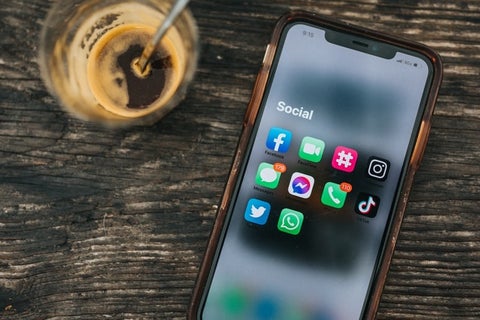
(86, 52)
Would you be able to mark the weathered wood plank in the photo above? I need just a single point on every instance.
(98, 223)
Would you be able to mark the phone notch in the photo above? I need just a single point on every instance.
(360, 44)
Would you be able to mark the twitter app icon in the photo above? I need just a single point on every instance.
(257, 211)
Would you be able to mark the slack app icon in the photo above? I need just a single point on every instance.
(279, 140)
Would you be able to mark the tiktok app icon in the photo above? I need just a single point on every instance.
(367, 205)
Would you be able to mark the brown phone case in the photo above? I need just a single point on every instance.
(249, 120)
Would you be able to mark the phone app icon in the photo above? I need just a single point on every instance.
(367, 205)
(344, 159)
(333, 195)
(257, 211)
(378, 168)
(290, 221)
(311, 149)
(301, 185)
(279, 139)
(267, 176)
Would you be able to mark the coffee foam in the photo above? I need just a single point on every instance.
(108, 81)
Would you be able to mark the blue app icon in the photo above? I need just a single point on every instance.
(279, 140)
(257, 211)
(267, 307)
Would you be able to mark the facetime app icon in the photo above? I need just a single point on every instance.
(311, 149)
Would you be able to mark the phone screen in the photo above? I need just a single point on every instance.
(320, 181)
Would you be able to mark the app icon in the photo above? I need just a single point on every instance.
(311, 149)
(257, 211)
(233, 301)
(333, 195)
(301, 185)
(279, 140)
(290, 221)
(344, 159)
(266, 306)
(267, 176)
(378, 168)
(367, 205)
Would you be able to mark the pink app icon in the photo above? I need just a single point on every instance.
(344, 159)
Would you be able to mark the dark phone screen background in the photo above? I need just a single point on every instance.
(360, 101)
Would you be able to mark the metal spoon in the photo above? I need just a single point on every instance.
(144, 59)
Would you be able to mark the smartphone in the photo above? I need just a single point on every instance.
(335, 129)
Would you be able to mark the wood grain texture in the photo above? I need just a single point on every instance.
(98, 223)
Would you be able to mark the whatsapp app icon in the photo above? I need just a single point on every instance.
(290, 221)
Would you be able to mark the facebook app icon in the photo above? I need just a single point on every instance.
(279, 139)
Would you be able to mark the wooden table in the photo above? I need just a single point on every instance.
(99, 224)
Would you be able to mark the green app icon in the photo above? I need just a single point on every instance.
(267, 176)
(311, 149)
(333, 196)
(290, 221)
